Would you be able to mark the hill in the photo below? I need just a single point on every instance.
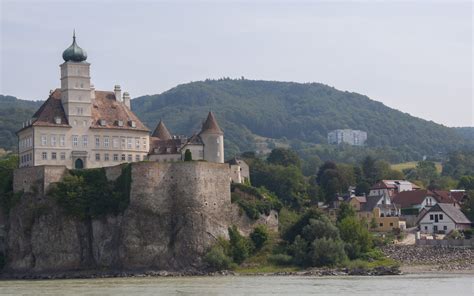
(301, 113)
(13, 112)
(259, 115)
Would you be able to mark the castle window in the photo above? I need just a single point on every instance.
(85, 140)
(63, 155)
(97, 142)
(381, 224)
(43, 140)
(115, 157)
(75, 141)
(84, 123)
(53, 140)
(144, 143)
(44, 156)
(106, 142)
(391, 223)
(133, 123)
(119, 122)
(106, 157)
(97, 157)
(79, 110)
(62, 140)
(123, 157)
(137, 143)
(218, 141)
(123, 142)
(129, 143)
(57, 120)
(53, 155)
(115, 142)
(102, 122)
(129, 158)
(137, 157)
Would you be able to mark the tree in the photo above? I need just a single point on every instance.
(466, 182)
(356, 236)
(320, 228)
(188, 155)
(345, 211)
(259, 236)
(362, 188)
(327, 252)
(239, 245)
(284, 157)
(369, 170)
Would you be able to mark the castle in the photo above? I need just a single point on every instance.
(80, 127)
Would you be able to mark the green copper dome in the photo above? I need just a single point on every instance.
(74, 53)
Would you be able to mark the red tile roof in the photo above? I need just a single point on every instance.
(51, 108)
(407, 199)
(104, 107)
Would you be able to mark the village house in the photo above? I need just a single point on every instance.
(378, 212)
(392, 187)
(413, 202)
(443, 218)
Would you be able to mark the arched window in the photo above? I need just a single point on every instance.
(79, 164)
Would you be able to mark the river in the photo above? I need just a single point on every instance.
(422, 284)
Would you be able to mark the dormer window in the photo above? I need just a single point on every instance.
(133, 123)
(102, 122)
(57, 120)
(119, 122)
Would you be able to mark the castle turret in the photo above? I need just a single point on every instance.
(213, 138)
(161, 132)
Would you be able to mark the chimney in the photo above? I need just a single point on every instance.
(118, 93)
(126, 99)
(92, 91)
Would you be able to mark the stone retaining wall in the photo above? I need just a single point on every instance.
(446, 242)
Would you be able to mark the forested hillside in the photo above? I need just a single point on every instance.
(301, 113)
(280, 113)
(13, 112)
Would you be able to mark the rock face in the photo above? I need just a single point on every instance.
(176, 212)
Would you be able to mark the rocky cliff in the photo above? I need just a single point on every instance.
(176, 212)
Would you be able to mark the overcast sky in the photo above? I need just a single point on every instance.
(415, 57)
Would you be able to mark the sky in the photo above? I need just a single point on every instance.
(414, 56)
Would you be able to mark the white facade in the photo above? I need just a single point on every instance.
(433, 222)
(65, 130)
(348, 136)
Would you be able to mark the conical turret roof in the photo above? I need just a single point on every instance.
(210, 125)
(161, 131)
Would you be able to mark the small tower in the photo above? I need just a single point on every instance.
(161, 132)
(75, 83)
(213, 138)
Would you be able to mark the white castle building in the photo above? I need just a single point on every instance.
(80, 127)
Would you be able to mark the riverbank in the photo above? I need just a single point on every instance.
(427, 259)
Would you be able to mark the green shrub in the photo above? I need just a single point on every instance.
(259, 236)
(327, 252)
(319, 228)
(2, 260)
(88, 193)
(299, 249)
(468, 233)
(356, 236)
(280, 259)
(217, 258)
(240, 247)
(254, 201)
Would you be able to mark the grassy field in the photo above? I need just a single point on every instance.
(412, 164)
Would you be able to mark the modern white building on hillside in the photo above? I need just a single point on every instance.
(348, 136)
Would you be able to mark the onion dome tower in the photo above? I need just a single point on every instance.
(74, 53)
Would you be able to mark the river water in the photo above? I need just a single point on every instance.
(423, 284)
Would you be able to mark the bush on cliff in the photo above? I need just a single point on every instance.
(259, 236)
(327, 252)
(89, 194)
(217, 257)
(254, 201)
(8, 199)
(240, 246)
